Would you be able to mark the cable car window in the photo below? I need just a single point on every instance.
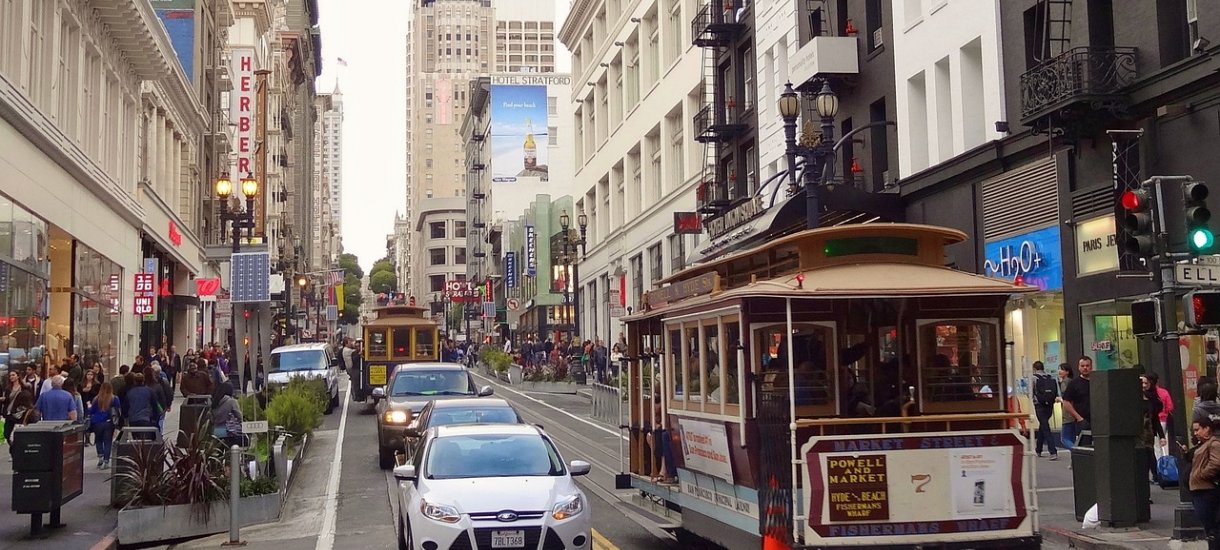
(675, 362)
(425, 344)
(732, 335)
(691, 361)
(709, 365)
(402, 342)
(376, 344)
(813, 351)
(960, 367)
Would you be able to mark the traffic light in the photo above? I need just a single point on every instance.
(1146, 317)
(1202, 309)
(1137, 222)
(1199, 237)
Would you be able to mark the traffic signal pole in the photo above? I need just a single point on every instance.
(1185, 525)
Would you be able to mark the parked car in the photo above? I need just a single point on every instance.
(458, 411)
(505, 484)
(410, 387)
(315, 360)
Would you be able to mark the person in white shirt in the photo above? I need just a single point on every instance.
(52, 372)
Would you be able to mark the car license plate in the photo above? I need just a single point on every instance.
(377, 375)
(508, 539)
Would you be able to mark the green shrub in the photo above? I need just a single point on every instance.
(250, 409)
(264, 485)
(497, 359)
(298, 406)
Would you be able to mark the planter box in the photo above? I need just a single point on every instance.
(285, 463)
(514, 374)
(162, 523)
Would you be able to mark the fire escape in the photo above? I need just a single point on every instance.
(1068, 90)
(714, 28)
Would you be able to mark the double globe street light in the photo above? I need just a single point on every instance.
(571, 273)
(817, 151)
(239, 219)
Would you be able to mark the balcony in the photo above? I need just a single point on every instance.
(479, 194)
(716, 23)
(718, 125)
(477, 167)
(1081, 79)
(711, 197)
(824, 56)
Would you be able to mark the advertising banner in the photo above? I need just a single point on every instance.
(531, 252)
(510, 269)
(879, 489)
(518, 133)
(144, 297)
(705, 447)
(152, 266)
(462, 291)
(1031, 258)
(178, 17)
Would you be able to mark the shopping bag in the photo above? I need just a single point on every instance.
(1167, 470)
(1091, 519)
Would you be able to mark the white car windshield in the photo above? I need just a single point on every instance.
(431, 382)
(482, 415)
(492, 455)
(298, 360)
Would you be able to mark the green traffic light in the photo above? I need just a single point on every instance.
(1201, 238)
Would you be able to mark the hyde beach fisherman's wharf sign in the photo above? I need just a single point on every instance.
(1031, 259)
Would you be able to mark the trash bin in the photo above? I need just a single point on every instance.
(132, 442)
(48, 469)
(1084, 476)
(190, 415)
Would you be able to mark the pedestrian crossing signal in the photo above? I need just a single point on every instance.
(1202, 309)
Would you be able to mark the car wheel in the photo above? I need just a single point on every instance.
(385, 457)
(334, 399)
(330, 406)
(403, 543)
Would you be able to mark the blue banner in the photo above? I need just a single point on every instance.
(178, 17)
(531, 252)
(1032, 259)
(510, 269)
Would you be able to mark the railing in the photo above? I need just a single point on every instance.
(607, 404)
(718, 124)
(1079, 73)
(716, 22)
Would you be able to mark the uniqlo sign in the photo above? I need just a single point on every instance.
(145, 295)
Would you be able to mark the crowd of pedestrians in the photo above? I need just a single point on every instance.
(592, 357)
(139, 395)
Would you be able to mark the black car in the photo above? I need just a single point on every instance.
(410, 387)
(459, 411)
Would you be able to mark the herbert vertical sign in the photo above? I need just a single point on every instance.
(857, 488)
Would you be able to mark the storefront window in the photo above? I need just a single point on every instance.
(961, 369)
(1106, 334)
(23, 286)
(1035, 328)
(95, 318)
(6, 227)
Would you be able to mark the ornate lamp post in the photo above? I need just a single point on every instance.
(238, 220)
(818, 152)
(564, 222)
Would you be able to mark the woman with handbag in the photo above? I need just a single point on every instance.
(1204, 473)
(226, 416)
(23, 413)
(103, 415)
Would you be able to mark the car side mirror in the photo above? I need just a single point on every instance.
(576, 467)
(406, 472)
(486, 391)
(379, 392)
(412, 430)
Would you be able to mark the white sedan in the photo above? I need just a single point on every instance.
(491, 486)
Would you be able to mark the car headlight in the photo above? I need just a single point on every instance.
(568, 507)
(396, 417)
(440, 512)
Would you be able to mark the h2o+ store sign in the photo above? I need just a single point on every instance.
(1031, 258)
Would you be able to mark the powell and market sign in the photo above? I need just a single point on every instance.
(1032, 259)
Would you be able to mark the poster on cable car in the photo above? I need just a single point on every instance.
(869, 489)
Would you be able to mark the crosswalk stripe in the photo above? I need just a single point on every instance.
(600, 542)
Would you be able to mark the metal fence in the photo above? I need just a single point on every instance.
(607, 404)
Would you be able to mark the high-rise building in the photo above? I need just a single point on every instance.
(328, 176)
(452, 42)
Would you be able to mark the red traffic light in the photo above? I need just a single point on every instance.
(1132, 200)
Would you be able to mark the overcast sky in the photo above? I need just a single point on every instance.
(370, 36)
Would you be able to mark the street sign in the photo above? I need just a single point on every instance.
(1208, 260)
(254, 427)
(514, 304)
(1197, 274)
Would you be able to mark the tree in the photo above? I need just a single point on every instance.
(383, 281)
(384, 264)
(351, 266)
(352, 299)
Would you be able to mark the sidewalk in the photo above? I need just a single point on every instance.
(89, 520)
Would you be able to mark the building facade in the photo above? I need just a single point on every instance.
(328, 177)
(440, 237)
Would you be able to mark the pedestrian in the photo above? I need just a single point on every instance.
(1167, 409)
(23, 413)
(226, 416)
(31, 381)
(346, 353)
(55, 403)
(1046, 391)
(160, 387)
(1204, 475)
(1151, 434)
(1207, 405)
(76, 372)
(52, 372)
(9, 397)
(141, 405)
(1076, 395)
(196, 381)
(103, 416)
(1067, 424)
(119, 382)
(172, 367)
(77, 401)
(90, 385)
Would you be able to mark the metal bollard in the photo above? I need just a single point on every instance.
(234, 497)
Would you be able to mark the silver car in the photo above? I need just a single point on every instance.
(306, 360)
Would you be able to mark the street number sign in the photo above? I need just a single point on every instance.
(1197, 274)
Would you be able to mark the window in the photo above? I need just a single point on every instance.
(69, 71)
(633, 76)
(673, 32)
(960, 369)
(552, 135)
(436, 256)
(459, 229)
(654, 51)
(637, 279)
(436, 230)
(674, 355)
(677, 253)
(812, 350)
(459, 255)
(377, 343)
(654, 264)
(552, 105)
(747, 70)
(751, 171)
(872, 16)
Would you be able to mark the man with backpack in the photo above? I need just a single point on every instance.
(1046, 390)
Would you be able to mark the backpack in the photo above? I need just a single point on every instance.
(1045, 390)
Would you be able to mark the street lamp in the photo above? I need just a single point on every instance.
(238, 219)
(818, 152)
(564, 222)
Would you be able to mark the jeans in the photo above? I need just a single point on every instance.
(1044, 434)
(103, 435)
(1068, 431)
(1205, 504)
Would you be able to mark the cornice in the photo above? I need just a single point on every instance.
(579, 16)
